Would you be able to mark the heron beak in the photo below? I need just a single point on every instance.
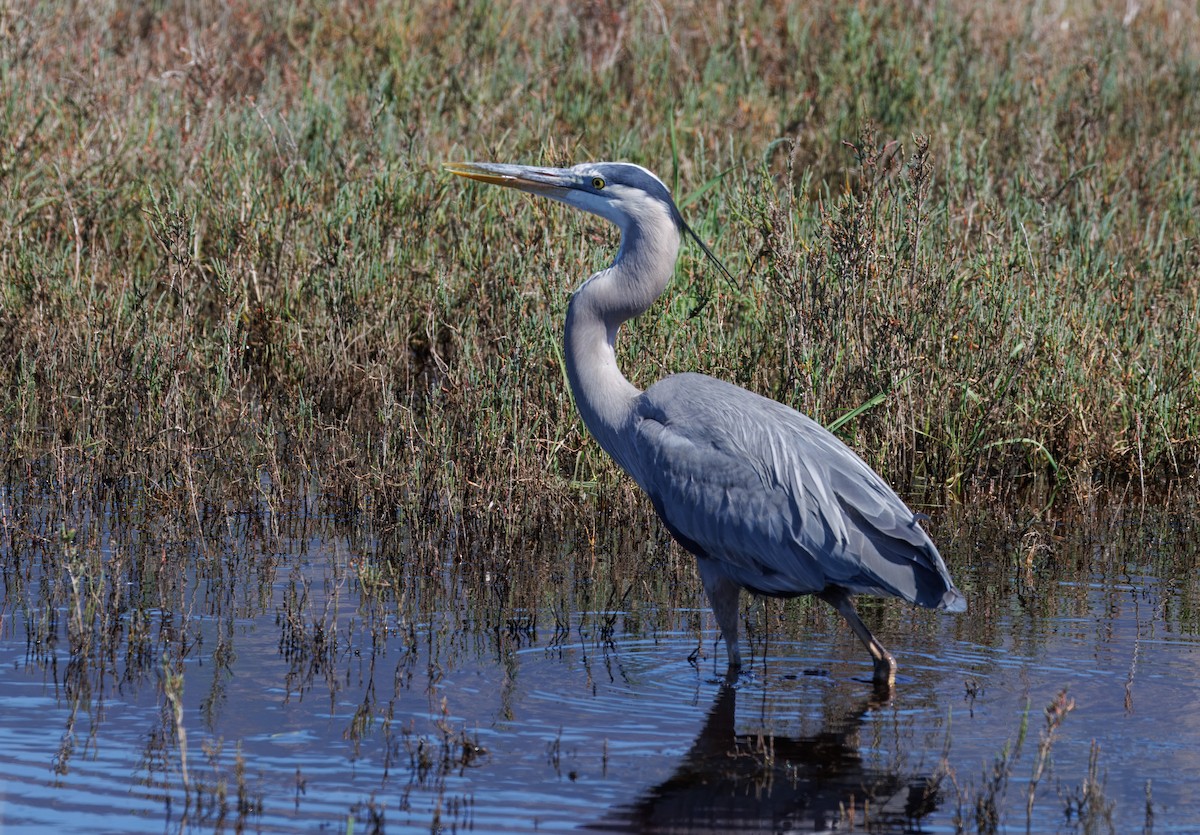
(547, 181)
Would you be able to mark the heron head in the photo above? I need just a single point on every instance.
(621, 192)
(626, 194)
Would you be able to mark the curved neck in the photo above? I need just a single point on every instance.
(637, 277)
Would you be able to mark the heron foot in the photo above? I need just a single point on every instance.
(885, 669)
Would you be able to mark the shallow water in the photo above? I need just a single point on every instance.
(364, 718)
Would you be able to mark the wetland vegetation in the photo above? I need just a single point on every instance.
(289, 463)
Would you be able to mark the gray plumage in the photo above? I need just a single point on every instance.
(764, 497)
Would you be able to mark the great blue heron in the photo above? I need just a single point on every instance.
(765, 498)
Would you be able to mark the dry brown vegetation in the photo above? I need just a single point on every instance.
(230, 252)
(234, 275)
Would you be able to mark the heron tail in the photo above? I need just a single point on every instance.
(953, 601)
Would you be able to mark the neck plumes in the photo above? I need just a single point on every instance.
(626, 289)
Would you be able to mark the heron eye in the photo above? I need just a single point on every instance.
(597, 183)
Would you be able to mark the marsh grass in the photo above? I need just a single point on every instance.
(230, 250)
(981, 807)
(243, 308)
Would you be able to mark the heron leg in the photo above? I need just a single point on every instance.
(885, 665)
(723, 597)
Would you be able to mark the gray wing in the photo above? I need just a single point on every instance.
(784, 506)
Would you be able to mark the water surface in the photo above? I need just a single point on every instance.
(312, 702)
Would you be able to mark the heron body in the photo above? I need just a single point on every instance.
(765, 498)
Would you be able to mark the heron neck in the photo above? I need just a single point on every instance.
(628, 288)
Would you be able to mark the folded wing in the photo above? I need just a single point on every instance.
(781, 504)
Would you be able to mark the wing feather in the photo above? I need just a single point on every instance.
(783, 505)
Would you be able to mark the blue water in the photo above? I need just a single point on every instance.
(439, 726)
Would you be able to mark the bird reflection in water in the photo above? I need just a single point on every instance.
(758, 782)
